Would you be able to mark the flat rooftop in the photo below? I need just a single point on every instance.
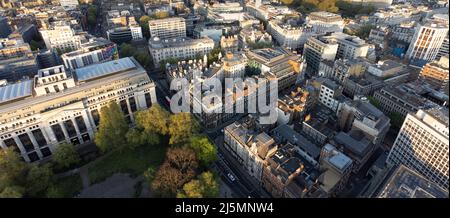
(104, 69)
(16, 91)
(406, 183)
(297, 139)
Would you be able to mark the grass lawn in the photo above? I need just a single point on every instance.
(134, 162)
(67, 187)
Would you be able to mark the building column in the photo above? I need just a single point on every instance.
(89, 125)
(50, 136)
(63, 128)
(35, 144)
(22, 150)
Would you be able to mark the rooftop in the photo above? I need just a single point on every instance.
(156, 43)
(354, 141)
(290, 135)
(104, 69)
(406, 183)
(16, 91)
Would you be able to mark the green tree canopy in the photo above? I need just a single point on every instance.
(206, 186)
(65, 155)
(144, 58)
(182, 127)
(364, 31)
(92, 15)
(38, 179)
(154, 120)
(213, 56)
(396, 119)
(205, 150)
(126, 50)
(375, 102)
(112, 129)
(136, 137)
(160, 15)
(143, 22)
(12, 169)
(12, 192)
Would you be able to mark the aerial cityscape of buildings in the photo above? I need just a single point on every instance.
(361, 107)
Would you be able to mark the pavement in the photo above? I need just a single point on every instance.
(117, 186)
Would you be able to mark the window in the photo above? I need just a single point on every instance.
(46, 152)
(59, 134)
(80, 123)
(148, 100)
(47, 90)
(26, 142)
(11, 142)
(133, 106)
(65, 85)
(39, 137)
(95, 117)
(56, 88)
(33, 156)
(70, 128)
(124, 107)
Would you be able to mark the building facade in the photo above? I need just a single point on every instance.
(179, 48)
(423, 145)
(61, 37)
(95, 51)
(427, 41)
(59, 107)
(167, 28)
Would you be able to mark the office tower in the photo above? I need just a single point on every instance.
(61, 37)
(422, 145)
(427, 40)
(166, 28)
(317, 50)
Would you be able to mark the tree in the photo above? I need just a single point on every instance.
(375, 102)
(163, 63)
(137, 137)
(160, 14)
(178, 168)
(65, 155)
(12, 192)
(126, 50)
(167, 180)
(350, 9)
(154, 120)
(12, 169)
(206, 186)
(112, 129)
(213, 56)
(396, 119)
(327, 5)
(210, 185)
(92, 15)
(143, 22)
(183, 159)
(34, 45)
(143, 58)
(149, 174)
(364, 31)
(287, 2)
(182, 127)
(38, 179)
(191, 189)
(205, 150)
